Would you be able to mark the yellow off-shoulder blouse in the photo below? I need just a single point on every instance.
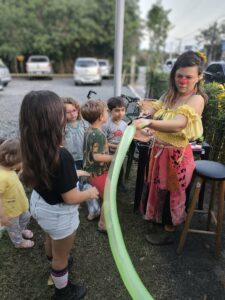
(191, 132)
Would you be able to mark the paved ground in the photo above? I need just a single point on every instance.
(12, 96)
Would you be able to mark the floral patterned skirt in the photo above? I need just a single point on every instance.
(170, 170)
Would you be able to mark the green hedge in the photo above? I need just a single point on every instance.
(157, 84)
(214, 120)
(213, 115)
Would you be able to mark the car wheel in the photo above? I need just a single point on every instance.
(5, 83)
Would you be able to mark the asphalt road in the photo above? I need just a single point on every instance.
(12, 96)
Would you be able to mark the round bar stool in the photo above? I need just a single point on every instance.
(214, 171)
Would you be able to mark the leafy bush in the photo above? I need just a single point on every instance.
(157, 84)
(214, 120)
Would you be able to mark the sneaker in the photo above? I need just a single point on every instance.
(70, 292)
(78, 291)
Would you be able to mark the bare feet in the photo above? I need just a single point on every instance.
(27, 234)
(25, 244)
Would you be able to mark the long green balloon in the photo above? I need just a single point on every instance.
(127, 271)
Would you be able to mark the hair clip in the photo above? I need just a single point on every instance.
(202, 56)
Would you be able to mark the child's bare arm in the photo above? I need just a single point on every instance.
(102, 157)
(82, 173)
(75, 196)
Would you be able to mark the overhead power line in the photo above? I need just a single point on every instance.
(218, 19)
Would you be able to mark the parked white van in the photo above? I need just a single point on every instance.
(39, 65)
(105, 67)
(87, 70)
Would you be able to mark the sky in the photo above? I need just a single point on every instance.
(188, 17)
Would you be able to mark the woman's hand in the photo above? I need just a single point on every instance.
(144, 135)
(141, 123)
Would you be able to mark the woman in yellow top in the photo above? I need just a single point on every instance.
(14, 206)
(176, 121)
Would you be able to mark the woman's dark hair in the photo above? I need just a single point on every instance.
(10, 154)
(42, 119)
(187, 59)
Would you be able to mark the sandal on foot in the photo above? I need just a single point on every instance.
(27, 234)
(25, 244)
(170, 228)
(160, 240)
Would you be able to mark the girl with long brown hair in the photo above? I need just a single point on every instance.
(49, 169)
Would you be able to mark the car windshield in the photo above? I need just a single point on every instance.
(102, 63)
(38, 59)
(86, 63)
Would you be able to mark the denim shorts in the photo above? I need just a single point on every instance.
(58, 221)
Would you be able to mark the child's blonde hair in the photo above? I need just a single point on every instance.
(10, 154)
(92, 110)
(68, 100)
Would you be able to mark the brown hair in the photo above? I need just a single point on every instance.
(92, 110)
(187, 59)
(68, 100)
(10, 154)
(42, 120)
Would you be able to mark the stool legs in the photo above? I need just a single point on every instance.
(189, 215)
(211, 204)
(219, 218)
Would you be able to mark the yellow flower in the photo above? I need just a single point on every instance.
(218, 86)
(221, 96)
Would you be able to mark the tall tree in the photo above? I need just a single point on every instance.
(64, 29)
(212, 40)
(158, 25)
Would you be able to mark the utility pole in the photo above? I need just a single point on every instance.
(213, 37)
(118, 54)
(132, 70)
(179, 45)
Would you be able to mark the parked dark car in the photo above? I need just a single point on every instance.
(215, 72)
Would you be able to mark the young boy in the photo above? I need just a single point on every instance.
(114, 129)
(115, 126)
(96, 155)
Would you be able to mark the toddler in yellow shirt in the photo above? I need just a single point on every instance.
(14, 213)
